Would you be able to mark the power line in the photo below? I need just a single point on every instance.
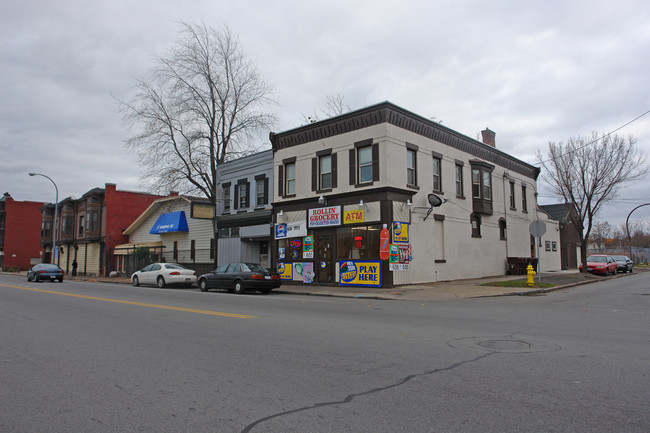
(599, 138)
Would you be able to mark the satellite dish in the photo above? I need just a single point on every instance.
(435, 200)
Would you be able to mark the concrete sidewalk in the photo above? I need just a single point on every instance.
(458, 289)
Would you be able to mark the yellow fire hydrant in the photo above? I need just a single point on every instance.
(531, 275)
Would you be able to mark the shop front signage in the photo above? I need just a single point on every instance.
(202, 211)
(400, 232)
(291, 230)
(400, 257)
(354, 216)
(325, 216)
(360, 273)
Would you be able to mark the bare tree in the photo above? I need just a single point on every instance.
(203, 103)
(600, 233)
(588, 172)
(334, 106)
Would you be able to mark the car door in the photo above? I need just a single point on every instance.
(213, 277)
(145, 274)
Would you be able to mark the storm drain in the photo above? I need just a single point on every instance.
(503, 344)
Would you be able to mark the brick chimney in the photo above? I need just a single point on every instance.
(489, 137)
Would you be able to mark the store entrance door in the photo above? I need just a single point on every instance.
(324, 259)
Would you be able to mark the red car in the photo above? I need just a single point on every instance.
(601, 264)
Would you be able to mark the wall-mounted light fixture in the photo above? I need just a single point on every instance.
(322, 200)
(408, 203)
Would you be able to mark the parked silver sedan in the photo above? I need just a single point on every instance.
(164, 274)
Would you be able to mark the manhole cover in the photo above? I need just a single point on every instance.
(503, 344)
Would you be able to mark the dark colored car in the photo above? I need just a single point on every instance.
(45, 271)
(624, 263)
(239, 277)
(601, 264)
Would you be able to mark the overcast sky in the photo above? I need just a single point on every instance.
(533, 71)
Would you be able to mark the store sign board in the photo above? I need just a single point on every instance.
(202, 211)
(354, 216)
(400, 232)
(325, 217)
(291, 230)
(360, 273)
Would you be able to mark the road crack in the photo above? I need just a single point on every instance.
(351, 397)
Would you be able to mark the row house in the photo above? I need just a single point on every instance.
(381, 196)
(19, 233)
(90, 227)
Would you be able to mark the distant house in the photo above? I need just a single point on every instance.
(175, 229)
(20, 224)
(569, 236)
(90, 227)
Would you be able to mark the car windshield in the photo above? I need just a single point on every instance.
(620, 258)
(599, 259)
(46, 266)
(174, 266)
(253, 267)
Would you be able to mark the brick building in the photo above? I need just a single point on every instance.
(20, 225)
(89, 228)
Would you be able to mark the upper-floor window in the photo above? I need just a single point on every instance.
(242, 194)
(365, 164)
(261, 190)
(524, 202)
(481, 184)
(66, 226)
(290, 182)
(46, 227)
(459, 181)
(512, 195)
(81, 225)
(325, 171)
(475, 220)
(411, 167)
(226, 197)
(437, 174)
(503, 232)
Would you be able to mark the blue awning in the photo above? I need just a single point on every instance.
(170, 222)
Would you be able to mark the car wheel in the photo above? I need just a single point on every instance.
(60, 280)
(203, 285)
(160, 282)
(29, 278)
(136, 281)
(615, 269)
(238, 288)
(607, 272)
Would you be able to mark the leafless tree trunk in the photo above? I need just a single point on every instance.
(589, 171)
(203, 103)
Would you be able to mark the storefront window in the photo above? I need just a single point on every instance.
(358, 243)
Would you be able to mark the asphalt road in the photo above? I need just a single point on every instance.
(92, 357)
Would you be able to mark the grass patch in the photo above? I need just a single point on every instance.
(519, 284)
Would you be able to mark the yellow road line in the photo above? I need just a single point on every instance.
(140, 304)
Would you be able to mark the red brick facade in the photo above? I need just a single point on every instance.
(20, 233)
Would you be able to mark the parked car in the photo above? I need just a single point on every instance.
(239, 277)
(45, 271)
(164, 274)
(601, 264)
(625, 264)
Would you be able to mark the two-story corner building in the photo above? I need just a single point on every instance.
(19, 227)
(90, 227)
(244, 209)
(453, 207)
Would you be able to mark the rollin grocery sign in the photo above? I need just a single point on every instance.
(325, 216)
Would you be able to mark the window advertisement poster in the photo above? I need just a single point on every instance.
(400, 257)
(360, 273)
(400, 232)
(291, 230)
(285, 270)
(298, 270)
(327, 216)
(308, 272)
(308, 247)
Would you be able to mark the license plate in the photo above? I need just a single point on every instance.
(187, 280)
(267, 277)
(52, 277)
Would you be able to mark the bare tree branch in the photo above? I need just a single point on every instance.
(589, 172)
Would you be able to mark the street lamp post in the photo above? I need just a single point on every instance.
(627, 228)
(56, 212)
